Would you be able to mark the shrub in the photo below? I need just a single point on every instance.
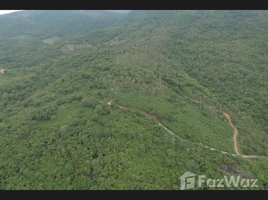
(64, 129)
(53, 117)
(87, 102)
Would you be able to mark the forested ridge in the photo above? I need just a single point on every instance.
(63, 67)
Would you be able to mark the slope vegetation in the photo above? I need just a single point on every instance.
(60, 124)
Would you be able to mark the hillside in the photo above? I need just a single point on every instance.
(62, 68)
(31, 31)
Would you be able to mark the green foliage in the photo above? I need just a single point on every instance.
(87, 102)
(58, 132)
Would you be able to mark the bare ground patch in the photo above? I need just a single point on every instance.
(68, 47)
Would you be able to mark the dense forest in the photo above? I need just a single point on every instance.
(84, 94)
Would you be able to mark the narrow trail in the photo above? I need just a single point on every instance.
(110, 102)
(231, 124)
(159, 123)
(235, 132)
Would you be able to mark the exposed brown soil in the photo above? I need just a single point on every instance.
(235, 132)
(149, 114)
(110, 102)
(230, 122)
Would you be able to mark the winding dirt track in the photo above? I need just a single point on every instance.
(231, 124)
(235, 132)
(225, 114)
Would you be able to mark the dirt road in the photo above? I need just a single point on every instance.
(110, 102)
(225, 114)
(235, 132)
(230, 122)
